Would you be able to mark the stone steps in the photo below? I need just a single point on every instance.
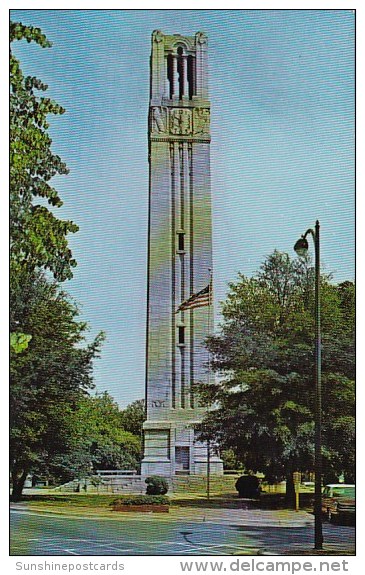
(218, 484)
(136, 484)
(117, 484)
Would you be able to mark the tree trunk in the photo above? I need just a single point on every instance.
(290, 491)
(18, 484)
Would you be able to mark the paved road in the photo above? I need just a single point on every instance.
(252, 533)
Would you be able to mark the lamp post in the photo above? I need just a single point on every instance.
(301, 248)
(208, 469)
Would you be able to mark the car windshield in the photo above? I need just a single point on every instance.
(344, 492)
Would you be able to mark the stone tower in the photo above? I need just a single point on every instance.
(179, 254)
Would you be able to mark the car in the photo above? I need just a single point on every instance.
(338, 502)
(308, 485)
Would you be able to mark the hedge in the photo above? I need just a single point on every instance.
(142, 500)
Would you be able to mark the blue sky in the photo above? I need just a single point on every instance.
(282, 93)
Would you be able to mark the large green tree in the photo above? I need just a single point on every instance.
(263, 401)
(49, 377)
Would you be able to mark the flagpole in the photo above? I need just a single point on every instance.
(209, 312)
(210, 307)
(200, 299)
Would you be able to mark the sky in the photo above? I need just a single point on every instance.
(282, 152)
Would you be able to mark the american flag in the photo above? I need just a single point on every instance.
(199, 299)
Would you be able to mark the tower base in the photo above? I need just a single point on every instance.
(171, 449)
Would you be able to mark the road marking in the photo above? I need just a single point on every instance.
(184, 547)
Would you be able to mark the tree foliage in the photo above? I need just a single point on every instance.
(38, 237)
(99, 440)
(133, 417)
(264, 398)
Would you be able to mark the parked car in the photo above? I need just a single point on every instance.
(338, 502)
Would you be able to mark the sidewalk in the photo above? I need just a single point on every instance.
(250, 516)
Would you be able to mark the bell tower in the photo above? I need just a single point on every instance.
(179, 254)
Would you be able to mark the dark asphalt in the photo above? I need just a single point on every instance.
(35, 533)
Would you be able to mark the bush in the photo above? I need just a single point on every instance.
(141, 500)
(156, 485)
(248, 486)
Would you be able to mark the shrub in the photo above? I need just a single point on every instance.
(248, 486)
(156, 485)
(141, 500)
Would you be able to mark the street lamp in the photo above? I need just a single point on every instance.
(301, 248)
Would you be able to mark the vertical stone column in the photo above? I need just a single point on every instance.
(175, 79)
(166, 80)
(185, 77)
(201, 43)
(176, 274)
(160, 296)
(157, 66)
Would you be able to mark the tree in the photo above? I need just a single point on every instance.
(38, 238)
(49, 377)
(99, 440)
(264, 356)
(51, 364)
(133, 417)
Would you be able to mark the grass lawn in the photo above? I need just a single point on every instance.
(102, 501)
(94, 503)
(69, 501)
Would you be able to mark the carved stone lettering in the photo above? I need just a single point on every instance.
(158, 403)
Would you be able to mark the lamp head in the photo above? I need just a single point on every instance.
(301, 247)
